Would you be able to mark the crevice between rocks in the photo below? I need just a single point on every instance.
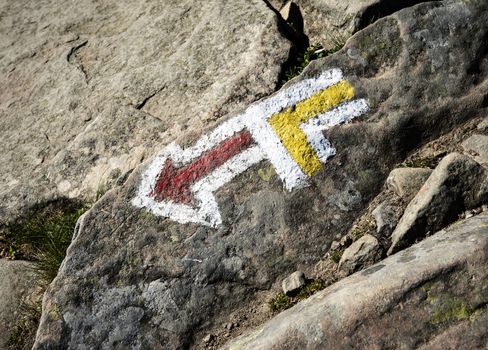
(299, 40)
(76, 61)
(141, 105)
(40, 235)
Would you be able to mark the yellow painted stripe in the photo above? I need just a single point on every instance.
(287, 124)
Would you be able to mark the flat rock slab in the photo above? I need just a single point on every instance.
(403, 301)
(88, 93)
(17, 285)
(135, 276)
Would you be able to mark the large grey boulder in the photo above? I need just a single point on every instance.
(331, 22)
(457, 184)
(88, 93)
(135, 279)
(431, 293)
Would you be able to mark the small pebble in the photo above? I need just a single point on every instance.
(208, 338)
(335, 245)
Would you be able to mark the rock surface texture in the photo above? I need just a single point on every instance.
(88, 93)
(17, 287)
(406, 182)
(457, 184)
(330, 22)
(400, 302)
(363, 252)
(293, 283)
(478, 146)
(132, 279)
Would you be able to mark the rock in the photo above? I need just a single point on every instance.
(466, 334)
(477, 144)
(331, 22)
(436, 287)
(345, 241)
(363, 252)
(335, 245)
(457, 184)
(96, 89)
(293, 283)
(230, 326)
(132, 278)
(386, 217)
(17, 286)
(208, 338)
(483, 125)
(406, 182)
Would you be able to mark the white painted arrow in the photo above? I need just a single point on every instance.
(215, 150)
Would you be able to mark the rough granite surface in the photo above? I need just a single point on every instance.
(90, 92)
(135, 280)
(329, 23)
(430, 292)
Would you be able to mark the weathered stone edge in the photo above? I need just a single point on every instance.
(373, 290)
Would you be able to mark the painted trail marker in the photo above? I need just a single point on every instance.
(285, 129)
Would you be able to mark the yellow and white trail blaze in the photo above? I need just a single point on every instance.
(287, 124)
(286, 129)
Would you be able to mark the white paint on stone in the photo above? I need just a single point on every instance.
(268, 147)
(342, 114)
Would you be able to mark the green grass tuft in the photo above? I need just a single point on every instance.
(311, 288)
(304, 58)
(282, 302)
(429, 161)
(43, 238)
(336, 256)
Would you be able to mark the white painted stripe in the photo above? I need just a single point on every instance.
(258, 114)
(269, 147)
(206, 209)
(286, 168)
(342, 114)
(151, 174)
(261, 110)
(298, 92)
(204, 188)
(217, 136)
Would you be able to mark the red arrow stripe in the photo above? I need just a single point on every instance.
(175, 184)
